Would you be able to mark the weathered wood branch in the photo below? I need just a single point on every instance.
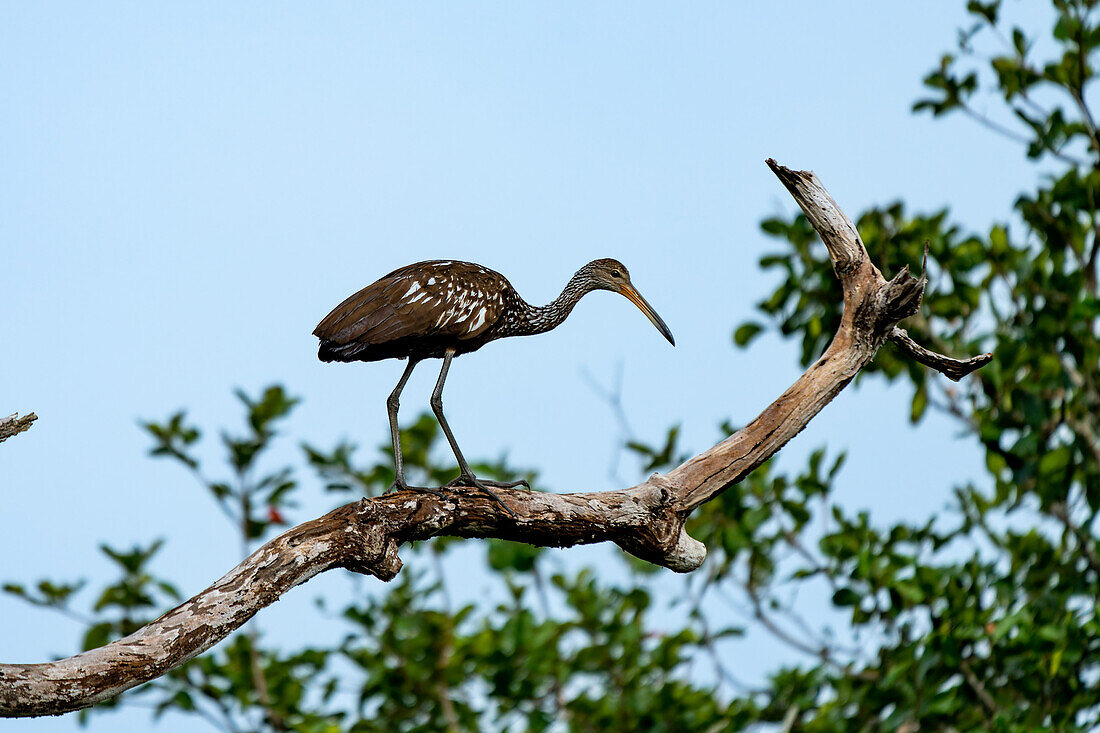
(646, 520)
(14, 424)
(953, 369)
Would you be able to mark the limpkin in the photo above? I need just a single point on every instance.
(442, 309)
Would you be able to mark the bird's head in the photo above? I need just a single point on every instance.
(612, 275)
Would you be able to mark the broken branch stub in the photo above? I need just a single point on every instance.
(646, 520)
(14, 424)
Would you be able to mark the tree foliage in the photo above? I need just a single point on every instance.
(982, 618)
(987, 618)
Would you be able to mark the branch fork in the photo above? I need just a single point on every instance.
(646, 520)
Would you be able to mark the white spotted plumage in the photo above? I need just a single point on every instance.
(476, 324)
(428, 309)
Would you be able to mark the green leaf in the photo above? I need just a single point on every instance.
(97, 635)
(920, 403)
(516, 556)
(988, 11)
(746, 332)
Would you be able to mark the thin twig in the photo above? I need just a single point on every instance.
(613, 396)
(1017, 137)
(978, 688)
(790, 719)
(1061, 512)
(442, 689)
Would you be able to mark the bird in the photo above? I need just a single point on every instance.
(440, 309)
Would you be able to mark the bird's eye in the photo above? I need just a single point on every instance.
(616, 273)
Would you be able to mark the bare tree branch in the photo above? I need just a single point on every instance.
(646, 520)
(953, 369)
(13, 424)
(872, 306)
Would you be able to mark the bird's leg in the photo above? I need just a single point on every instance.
(392, 404)
(466, 476)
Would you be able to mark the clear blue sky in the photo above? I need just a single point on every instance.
(187, 189)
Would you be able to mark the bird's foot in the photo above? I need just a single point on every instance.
(402, 486)
(482, 483)
(468, 479)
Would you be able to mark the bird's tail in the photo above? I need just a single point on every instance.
(332, 351)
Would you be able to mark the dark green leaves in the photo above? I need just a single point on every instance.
(45, 593)
(662, 457)
(988, 11)
(746, 332)
(505, 555)
(263, 413)
(253, 500)
(173, 438)
(975, 615)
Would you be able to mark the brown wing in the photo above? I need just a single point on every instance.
(435, 298)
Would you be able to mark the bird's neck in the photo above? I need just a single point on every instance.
(534, 319)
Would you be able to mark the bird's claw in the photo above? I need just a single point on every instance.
(484, 484)
(402, 486)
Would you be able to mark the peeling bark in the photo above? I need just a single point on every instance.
(646, 520)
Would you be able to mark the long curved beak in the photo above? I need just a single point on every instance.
(636, 298)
